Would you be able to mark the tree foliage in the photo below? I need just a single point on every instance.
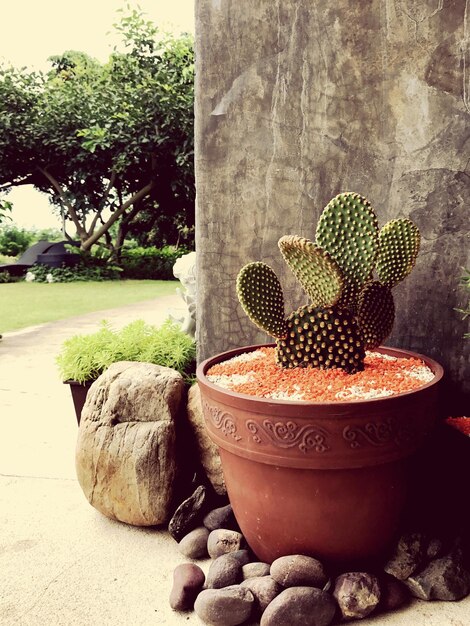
(105, 141)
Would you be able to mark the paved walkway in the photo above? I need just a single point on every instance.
(61, 562)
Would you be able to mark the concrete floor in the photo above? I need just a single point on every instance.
(61, 562)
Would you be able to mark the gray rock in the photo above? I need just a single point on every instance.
(255, 569)
(264, 590)
(394, 594)
(222, 541)
(298, 570)
(188, 515)
(224, 571)
(242, 556)
(125, 453)
(208, 451)
(222, 517)
(188, 580)
(229, 606)
(443, 579)
(434, 549)
(194, 544)
(300, 606)
(407, 556)
(357, 594)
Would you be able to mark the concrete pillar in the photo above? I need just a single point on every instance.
(297, 100)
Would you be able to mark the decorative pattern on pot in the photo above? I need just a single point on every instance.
(289, 435)
(379, 434)
(221, 420)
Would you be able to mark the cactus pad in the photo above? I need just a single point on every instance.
(399, 246)
(348, 230)
(260, 294)
(375, 314)
(315, 270)
(321, 337)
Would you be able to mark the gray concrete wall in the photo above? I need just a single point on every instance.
(299, 100)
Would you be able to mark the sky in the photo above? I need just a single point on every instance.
(33, 30)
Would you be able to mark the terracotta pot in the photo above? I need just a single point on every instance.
(325, 479)
(79, 393)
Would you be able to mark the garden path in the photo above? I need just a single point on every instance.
(61, 562)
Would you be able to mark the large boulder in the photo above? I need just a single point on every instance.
(125, 455)
(208, 452)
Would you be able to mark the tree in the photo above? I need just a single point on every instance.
(105, 141)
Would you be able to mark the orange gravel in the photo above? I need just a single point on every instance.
(262, 377)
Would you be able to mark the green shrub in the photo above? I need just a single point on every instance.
(76, 273)
(85, 357)
(6, 277)
(150, 263)
(14, 241)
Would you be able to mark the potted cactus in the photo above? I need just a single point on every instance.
(324, 477)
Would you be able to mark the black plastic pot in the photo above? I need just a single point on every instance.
(79, 393)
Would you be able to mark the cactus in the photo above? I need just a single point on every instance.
(349, 310)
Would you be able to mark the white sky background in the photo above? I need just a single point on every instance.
(33, 30)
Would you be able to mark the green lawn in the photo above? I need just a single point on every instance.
(27, 304)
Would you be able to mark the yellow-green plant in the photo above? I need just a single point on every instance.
(85, 357)
(348, 273)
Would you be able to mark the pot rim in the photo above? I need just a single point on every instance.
(202, 368)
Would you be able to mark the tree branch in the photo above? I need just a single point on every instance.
(86, 245)
(73, 215)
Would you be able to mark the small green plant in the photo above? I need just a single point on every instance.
(350, 310)
(85, 357)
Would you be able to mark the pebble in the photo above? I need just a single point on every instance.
(443, 579)
(222, 541)
(229, 606)
(357, 594)
(188, 515)
(255, 569)
(222, 517)
(264, 590)
(188, 580)
(194, 544)
(407, 557)
(242, 556)
(394, 594)
(300, 606)
(298, 570)
(224, 571)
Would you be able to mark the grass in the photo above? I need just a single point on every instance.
(28, 304)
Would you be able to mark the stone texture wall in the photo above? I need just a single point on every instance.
(299, 100)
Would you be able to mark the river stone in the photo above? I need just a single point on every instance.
(242, 556)
(222, 517)
(394, 594)
(357, 594)
(443, 579)
(208, 451)
(298, 570)
(188, 580)
(194, 544)
(229, 606)
(188, 515)
(407, 556)
(125, 453)
(300, 606)
(222, 541)
(255, 569)
(264, 590)
(224, 571)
